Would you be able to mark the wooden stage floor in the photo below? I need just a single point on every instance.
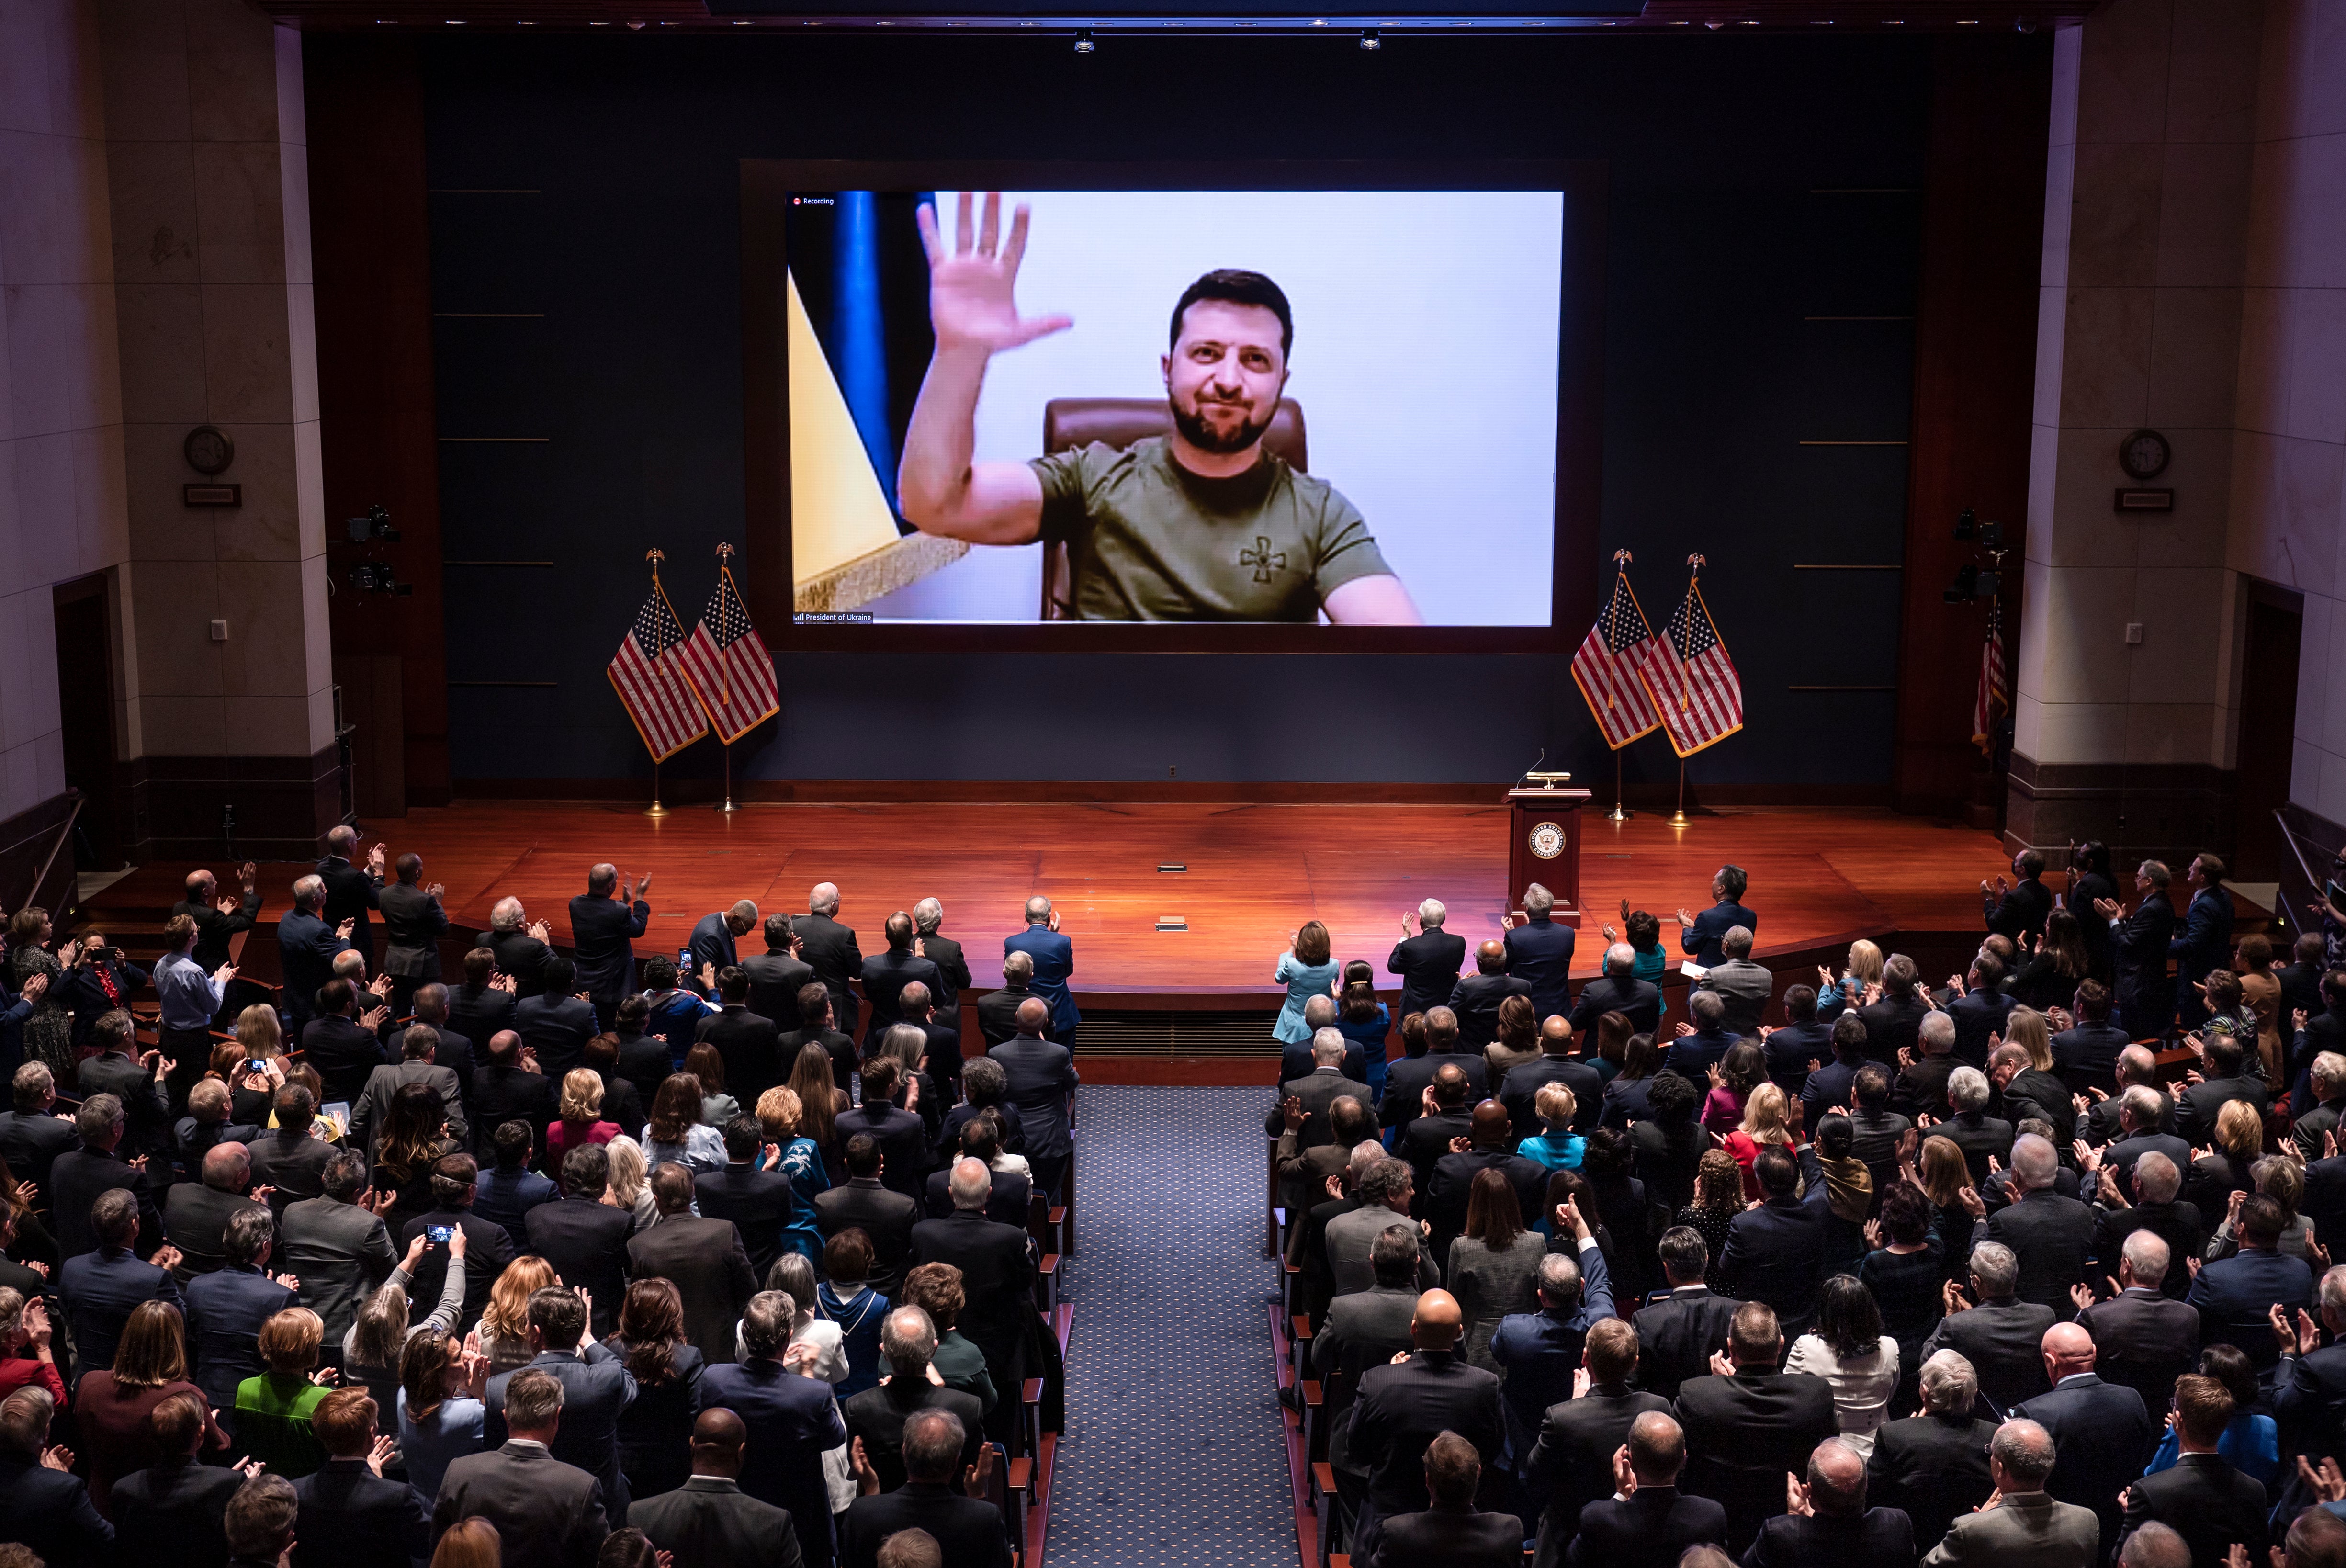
(1817, 878)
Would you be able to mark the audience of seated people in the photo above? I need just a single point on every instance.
(507, 1294)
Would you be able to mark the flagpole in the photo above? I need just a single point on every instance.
(1620, 813)
(1679, 817)
(725, 694)
(655, 809)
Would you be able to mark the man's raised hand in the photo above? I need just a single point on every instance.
(973, 286)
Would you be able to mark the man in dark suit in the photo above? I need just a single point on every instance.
(1042, 1087)
(175, 1511)
(42, 1506)
(829, 949)
(2236, 1296)
(1540, 1352)
(997, 1272)
(1519, 1091)
(287, 1159)
(504, 1192)
(1539, 953)
(758, 1202)
(336, 1245)
(1649, 1523)
(1827, 1524)
(2086, 1053)
(2325, 1081)
(2205, 943)
(413, 924)
(2100, 1431)
(350, 1513)
(2049, 1235)
(941, 1053)
(596, 1387)
(1304, 1173)
(33, 1133)
(1894, 1024)
(306, 945)
(519, 946)
(1701, 1045)
(2201, 1497)
(1312, 1093)
(2140, 1132)
(77, 1177)
(2002, 1338)
(547, 1514)
(196, 1214)
(350, 890)
(1745, 1430)
(488, 1247)
(122, 1070)
(1295, 1057)
(507, 1088)
(1452, 1531)
(218, 920)
(1475, 998)
(1054, 955)
(2142, 1337)
(980, 1141)
(1427, 1139)
(228, 1307)
(1775, 1249)
(102, 1287)
(710, 1520)
(1570, 1465)
(1407, 1080)
(603, 930)
(902, 1136)
(997, 1010)
(705, 1258)
(2195, 1112)
(1426, 960)
(1700, 936)
(2018, 908)
(2309, 1401)
(885, 975)
(1934, 1465)
(482, 1005)
(1804, 1046)
(1678, 1335)
(1491, 1146)
(748, 1042)
(555, 1024)
(584, 1238)
(876, 1417)
(789, 1418)
(942, 950)
(1981, 1011)
(865, 1203)
(1618, 990)
(716, 937)
(1921, 1088)
(1402, 1407)
(340, 1044)
(777, 975)
(2139, 945)
(2158, 1211)
(967, 1530)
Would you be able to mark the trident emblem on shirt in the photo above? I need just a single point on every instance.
(1263, 559)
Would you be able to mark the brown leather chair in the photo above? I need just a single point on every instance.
(1071, 423)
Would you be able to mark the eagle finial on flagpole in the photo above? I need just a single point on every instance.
(1695, 564)
(655, 555)
(1621, 557)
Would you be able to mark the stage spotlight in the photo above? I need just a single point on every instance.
(375, 524)
(376, 578)
(1083, 44)
(1369, 40)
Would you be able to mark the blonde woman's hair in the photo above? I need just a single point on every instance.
(627, 1169)
(1555, 1105)
(380, 1332)
(2027, 1028)
(582, 1095)
(2239, 1130)
(1865, 961)
(1765, 1115)
(506, 1317)
(1944, 1174)
(259, 1032)
(779, 1110)
(153, 1349)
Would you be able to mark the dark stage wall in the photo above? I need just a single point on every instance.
(1764, 248)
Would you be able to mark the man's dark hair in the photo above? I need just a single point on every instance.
(2224, 1056)
(1801, 1004)
(932, 1445)
(1450, 1086)
(1778, 1172)
(513, 1142)
(742, 1136)
(633, 1014)
(555, 1311)
(452, 1180)
(1990, 969)
(671, 1186)
(1732, 881)
(345, 1176)
(1237, 287)
(2261, 1221)
(1872, 1085)
(585, 1172)
(334, 996)
(862, 1156)
(1393, 1257)
(814, 1002)
(898, 927)
(1672, 1097)
(294, 1109)
(1453, 1470)
(249, 1231)
(259, 1518)
(557, 976)
(878, 1075)
(1348, 1116)
(778, 933)
(733, 983)
(1849, 1040)
(659, 975)
(1684, 1254)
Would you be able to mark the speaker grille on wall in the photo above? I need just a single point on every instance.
(1109, 1032)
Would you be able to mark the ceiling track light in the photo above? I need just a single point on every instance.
(1084, 44)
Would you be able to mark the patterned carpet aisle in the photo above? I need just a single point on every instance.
(1173, 1449)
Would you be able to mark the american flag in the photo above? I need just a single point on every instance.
(729, 666)
(1693, 681)
(1993, 694)
(648, 673)
(1605, 668)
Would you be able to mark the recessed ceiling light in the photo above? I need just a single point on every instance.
(384, 22)
(1319, 21)
(456, 21)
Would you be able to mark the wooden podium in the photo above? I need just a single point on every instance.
(1543, 846)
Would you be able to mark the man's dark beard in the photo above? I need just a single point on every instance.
(1205, 438)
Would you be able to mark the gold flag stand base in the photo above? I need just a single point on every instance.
(1678, 818)
(655, 808)
(728, 807)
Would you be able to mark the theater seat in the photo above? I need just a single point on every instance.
(1071, 423)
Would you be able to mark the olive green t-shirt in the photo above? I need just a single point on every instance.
(1147, 540)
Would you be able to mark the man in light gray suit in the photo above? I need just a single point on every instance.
(1384, 1194)
(336, 1244)
(417, 1049)
(2021, 1526)
(1740, 983)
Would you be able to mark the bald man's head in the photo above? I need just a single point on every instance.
(2068, 1350)
(1656, 1448)
(1434, 1325)
(1491, 958)
(1492, 1125)
(1032, 1016)
(718, 1436)
(1837, 1480)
